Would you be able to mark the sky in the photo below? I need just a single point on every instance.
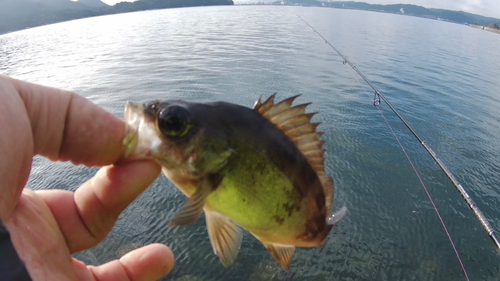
(489, 8)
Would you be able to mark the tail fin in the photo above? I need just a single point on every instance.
(334, 219)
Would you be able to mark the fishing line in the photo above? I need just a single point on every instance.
(377, 104)
(376, 101)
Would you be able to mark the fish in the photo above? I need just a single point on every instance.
(260, 169)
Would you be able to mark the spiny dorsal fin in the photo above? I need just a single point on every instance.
(296, 124)
(259, 105)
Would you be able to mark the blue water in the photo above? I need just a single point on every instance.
(442, 77)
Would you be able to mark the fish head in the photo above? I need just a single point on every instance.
(175, 134)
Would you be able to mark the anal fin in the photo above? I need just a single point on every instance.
(282, 253)
(225, 237)
(193, 208)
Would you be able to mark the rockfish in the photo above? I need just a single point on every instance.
(261, 170)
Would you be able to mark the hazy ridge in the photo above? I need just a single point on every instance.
(409, 9)
(21, 14)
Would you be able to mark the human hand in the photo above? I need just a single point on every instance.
(46, 227)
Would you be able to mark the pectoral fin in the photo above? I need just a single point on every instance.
(282, 253)
(225, 237)
(192, 209)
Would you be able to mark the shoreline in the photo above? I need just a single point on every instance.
(494, 30)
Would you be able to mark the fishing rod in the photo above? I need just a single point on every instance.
(482, 219)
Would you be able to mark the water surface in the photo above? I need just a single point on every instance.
(442, 77)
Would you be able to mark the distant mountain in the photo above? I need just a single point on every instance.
(93, 3)
(21, 14)
(411, 10)
(123, 7)
(14, 7)
(419, 11)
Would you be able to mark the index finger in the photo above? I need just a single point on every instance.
(66, 126)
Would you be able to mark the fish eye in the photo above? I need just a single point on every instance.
(173, 121)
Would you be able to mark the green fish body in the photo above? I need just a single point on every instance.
(261, 170)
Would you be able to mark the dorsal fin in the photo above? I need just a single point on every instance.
(296, 124)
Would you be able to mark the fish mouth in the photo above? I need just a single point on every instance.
(133, 115)
(132, 120)
(141, 140)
